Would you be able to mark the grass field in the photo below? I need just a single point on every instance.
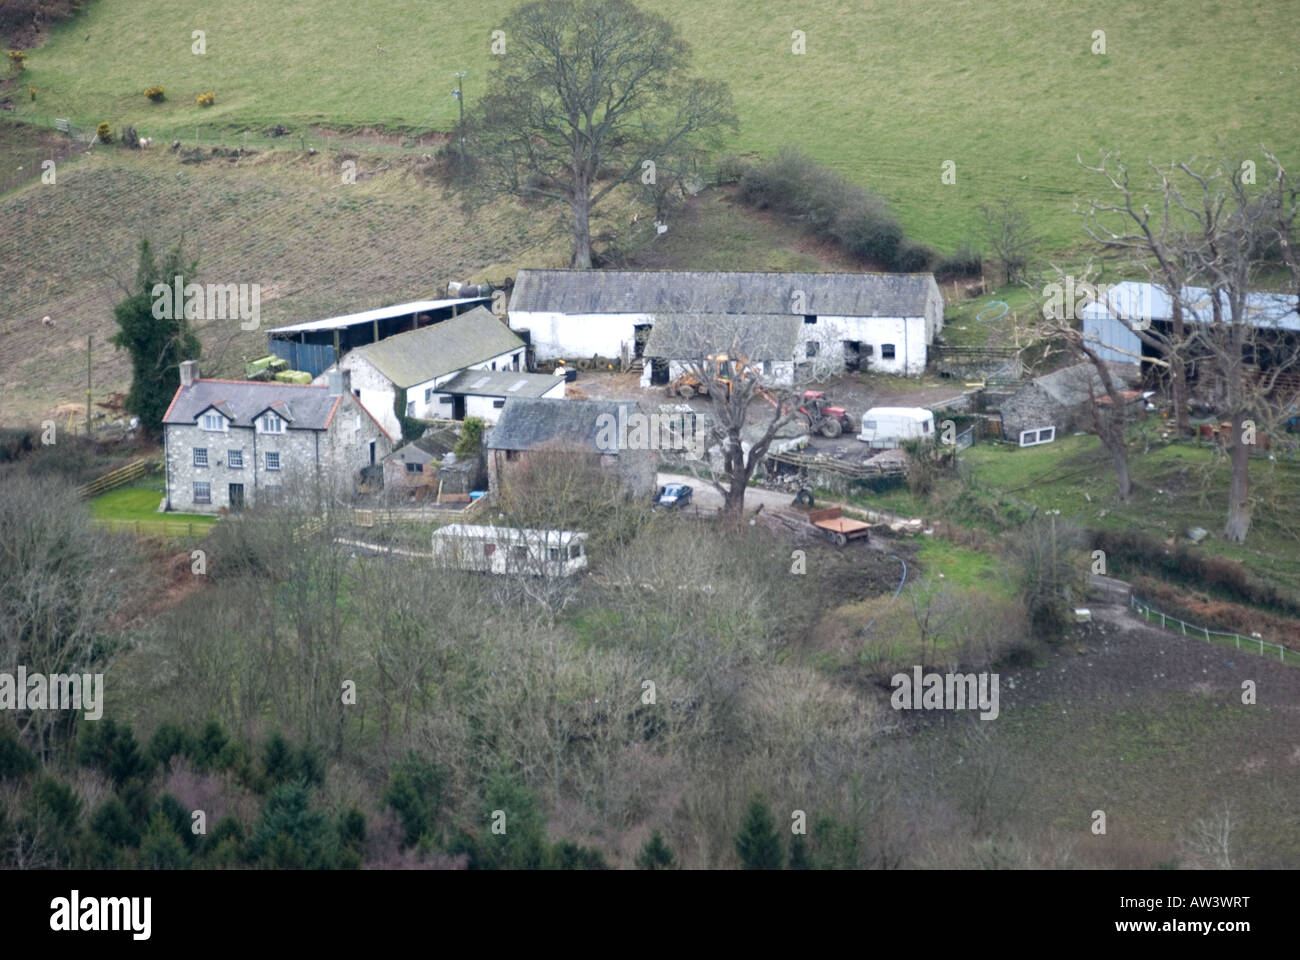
(885, 93)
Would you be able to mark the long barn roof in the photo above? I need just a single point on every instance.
(677, 291)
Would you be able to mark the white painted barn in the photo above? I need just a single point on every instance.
(884, 320)
(483, 394)
(421, 361)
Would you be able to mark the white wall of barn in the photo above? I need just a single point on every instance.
(427, 399)
(561, 335)
(909, 336)
(376, 390)
(486, 408)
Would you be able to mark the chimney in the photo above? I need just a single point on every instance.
(340, 382)
(189, 372)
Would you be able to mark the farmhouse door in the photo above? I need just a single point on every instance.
(236, 497)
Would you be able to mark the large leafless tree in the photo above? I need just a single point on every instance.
(589, 95)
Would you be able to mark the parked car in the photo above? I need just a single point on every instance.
(674, 496)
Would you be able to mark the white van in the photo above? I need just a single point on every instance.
(885, 428)
(510, 550)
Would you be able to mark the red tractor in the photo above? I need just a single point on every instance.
(823, 418)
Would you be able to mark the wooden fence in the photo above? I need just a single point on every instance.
(155, 528)
(116, 478)
(1251, 644)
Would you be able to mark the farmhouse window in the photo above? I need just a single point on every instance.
(512, 455)
(813, 348)
(200, 456)
(498, 404)
(553, 554)
(810, 318)
(272, 460)
(428, 395)
(868, 350)
(415, 468)
(445, 398)
(489, 549)
(410, 409)
(235, 459)
(887, 351)
(214, 421)
(202, 492)
(575, 551)
(271, 424)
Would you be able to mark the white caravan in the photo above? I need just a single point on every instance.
(510, 550)
(885, 428)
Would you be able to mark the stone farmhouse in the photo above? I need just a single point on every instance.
(529, 427)
(228, 442)
(885, 320)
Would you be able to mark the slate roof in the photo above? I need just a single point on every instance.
(526, 424)
(420, 355)
(690, 336)
(1068, 386)
(435, 444)
(676, 291)
(303, 407)
(499, 383)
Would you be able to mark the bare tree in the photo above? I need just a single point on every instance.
(1154, 243)
(1010, 236)
(590, 94)
(1239, 234)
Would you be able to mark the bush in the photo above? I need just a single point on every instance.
(104, 132)
(914, 257)
(964, 262)
(471, 439)
(731, 169)
(833, 208)
(17, 60)
(155, 94)
(206, 99)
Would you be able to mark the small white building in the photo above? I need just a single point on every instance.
(419, 362)
(509, 550)
(886, 321)
(885, 428)
(483, 394)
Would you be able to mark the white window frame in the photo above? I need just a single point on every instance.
(269, 455)
(235, 455)
(202, 499)
(212, 417)
(270, 423)
(201, 457)
(1038, 436)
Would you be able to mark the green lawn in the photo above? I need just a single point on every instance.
(129, 504)
(886, 93)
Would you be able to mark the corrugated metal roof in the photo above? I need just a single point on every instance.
(380, 313)
(528, 423)
(692, 336)
(508, 383)
(1147, 300)
(670, 291)
(449, 345)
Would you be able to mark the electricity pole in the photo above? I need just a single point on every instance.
(460, 100)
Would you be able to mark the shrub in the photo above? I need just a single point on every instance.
(17, 60)
(914, 257)
(206, 99)
(155, 94)
(731, 169)
(471, 438)
(964, 262)
(104, 132)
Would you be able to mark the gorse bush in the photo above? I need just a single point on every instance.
(104, 132)
(834, 209)
(155, 94)
(206, 99)
(17, 60)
